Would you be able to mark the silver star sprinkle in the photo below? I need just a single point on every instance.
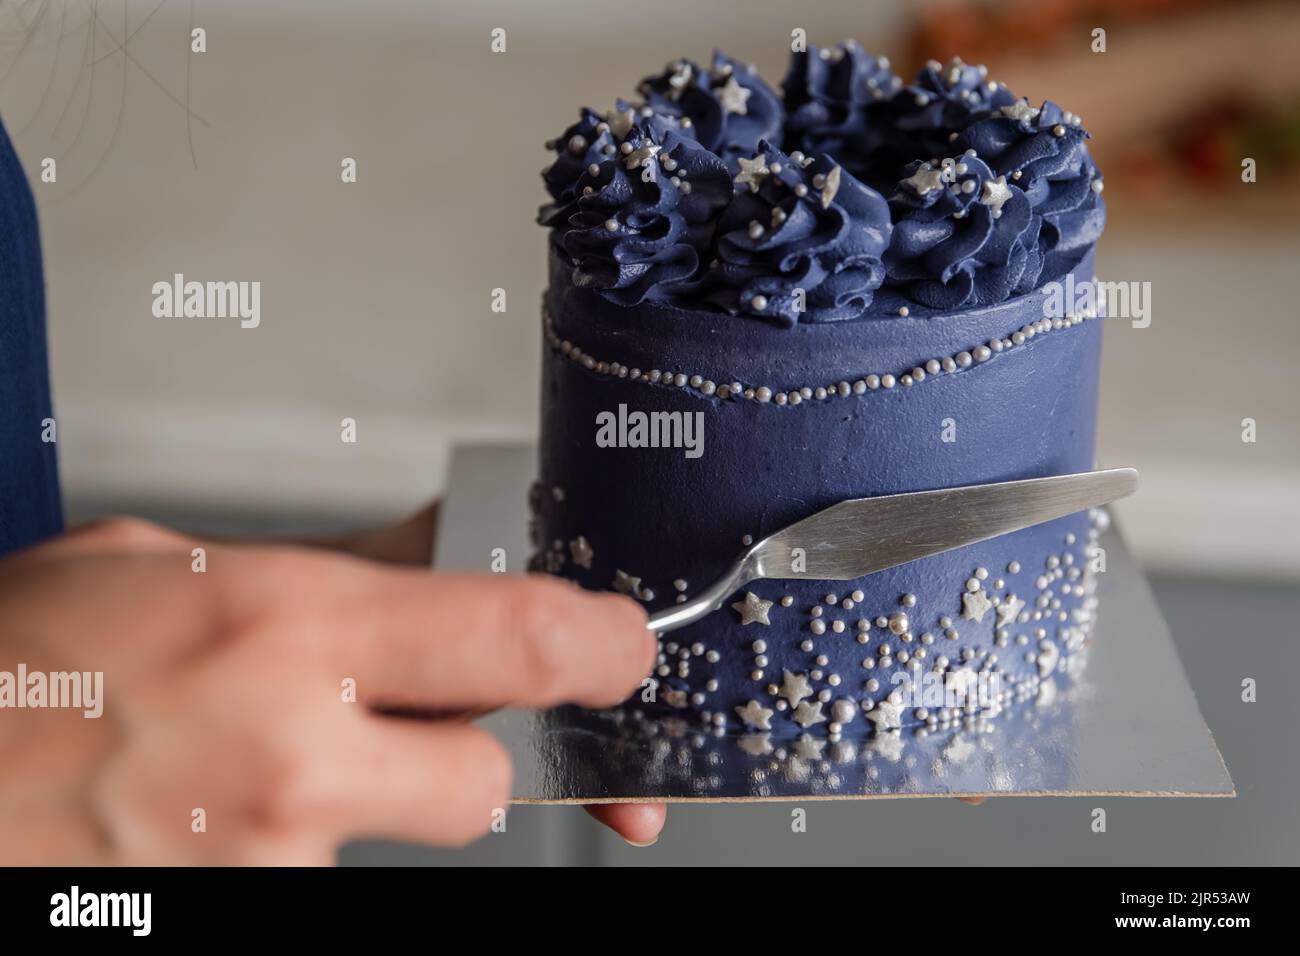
(1021, 112)
(581, 551)
(752, 172)
(625, 583)
(807, 714)
(756, 715)
(794, 688)
(620, 122)
(675, 698)
(832, 186)
(641, 156)
(886, 715)
(733, 97)
(994, 193)
(1008, 609)
(678, 80)
(974, 605)
(753, 609)
(925, 180)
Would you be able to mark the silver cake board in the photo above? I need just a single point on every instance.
(1129, 725)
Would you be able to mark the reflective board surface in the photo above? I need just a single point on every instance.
(1127, 725)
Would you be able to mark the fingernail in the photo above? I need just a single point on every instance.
(640, 846)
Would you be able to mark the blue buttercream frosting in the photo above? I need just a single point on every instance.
(662, 525)
(837, 101)
(965, 237)
(802, 242)
(1044, 151)
(942, 101)
(665, 200)
(642, 221)
(728, 108)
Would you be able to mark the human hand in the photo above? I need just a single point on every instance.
(411, 542)
(224, 694)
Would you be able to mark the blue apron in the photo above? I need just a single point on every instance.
(29, 479)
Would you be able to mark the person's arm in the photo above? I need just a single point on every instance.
(239, 702)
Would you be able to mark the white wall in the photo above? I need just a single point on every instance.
(375, 295)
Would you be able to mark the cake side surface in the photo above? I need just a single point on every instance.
(661, 522)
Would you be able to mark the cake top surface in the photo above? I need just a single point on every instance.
(852, 195)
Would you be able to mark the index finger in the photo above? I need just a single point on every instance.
(470, 641)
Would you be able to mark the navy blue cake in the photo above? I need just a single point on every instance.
(760, 305)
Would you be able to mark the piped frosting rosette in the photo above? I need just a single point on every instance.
(1043, 150)
(963, 237)
(586, 142)
(728, 108)
(941, 102)
(593, 140)
(802, 242)
(642, 221)
(836, 100)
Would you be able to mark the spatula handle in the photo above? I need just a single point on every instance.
(704, 603)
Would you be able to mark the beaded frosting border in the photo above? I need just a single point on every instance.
(842, 389)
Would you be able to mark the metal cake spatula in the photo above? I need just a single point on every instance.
(857, 537)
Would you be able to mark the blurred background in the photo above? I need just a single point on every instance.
(376, 296)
